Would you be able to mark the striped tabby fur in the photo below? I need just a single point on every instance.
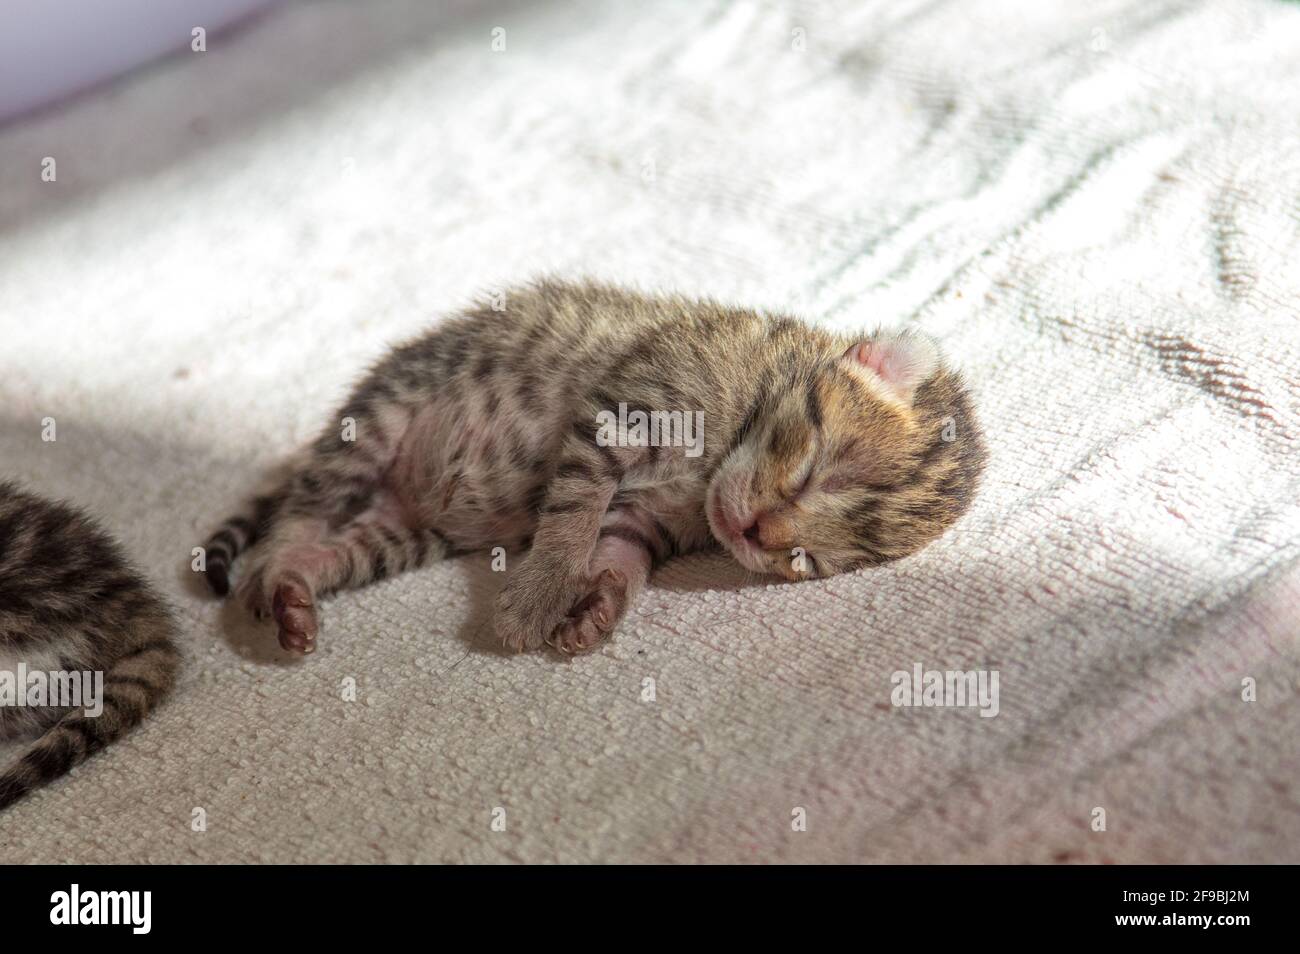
(70, 602)
(822, 453)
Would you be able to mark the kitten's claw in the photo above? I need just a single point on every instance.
(591, 621)
(515, 626)
(295, 614)
(533, 603)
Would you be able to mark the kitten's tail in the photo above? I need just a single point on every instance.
(249, 524)
(137, 680)
(235, 535)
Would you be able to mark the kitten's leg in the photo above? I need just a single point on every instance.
(629, 547)
(333, 479)
(554, 575)
(306, 560)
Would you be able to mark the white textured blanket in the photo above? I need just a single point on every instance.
(1095, 208)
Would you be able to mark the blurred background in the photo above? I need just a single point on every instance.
(59, 47)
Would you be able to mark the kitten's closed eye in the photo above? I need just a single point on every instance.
(800, 482)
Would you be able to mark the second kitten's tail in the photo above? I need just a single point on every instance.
(141, 675)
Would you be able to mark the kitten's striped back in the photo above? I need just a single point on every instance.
(69, 601)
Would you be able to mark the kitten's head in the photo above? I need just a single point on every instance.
(868, 454)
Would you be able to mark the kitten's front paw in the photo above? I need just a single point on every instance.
(594, 617)
(532, 605)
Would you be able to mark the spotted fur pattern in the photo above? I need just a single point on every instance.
(70, 602)
(822, 453)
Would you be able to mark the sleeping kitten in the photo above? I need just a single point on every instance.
(821, 454)
(70, 603)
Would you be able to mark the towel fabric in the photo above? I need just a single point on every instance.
(1092, 206)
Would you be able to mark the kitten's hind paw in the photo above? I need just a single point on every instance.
(295, 615)
(251, 594)
(594, 617)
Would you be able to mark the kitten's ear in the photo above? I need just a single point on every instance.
(902, 361)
